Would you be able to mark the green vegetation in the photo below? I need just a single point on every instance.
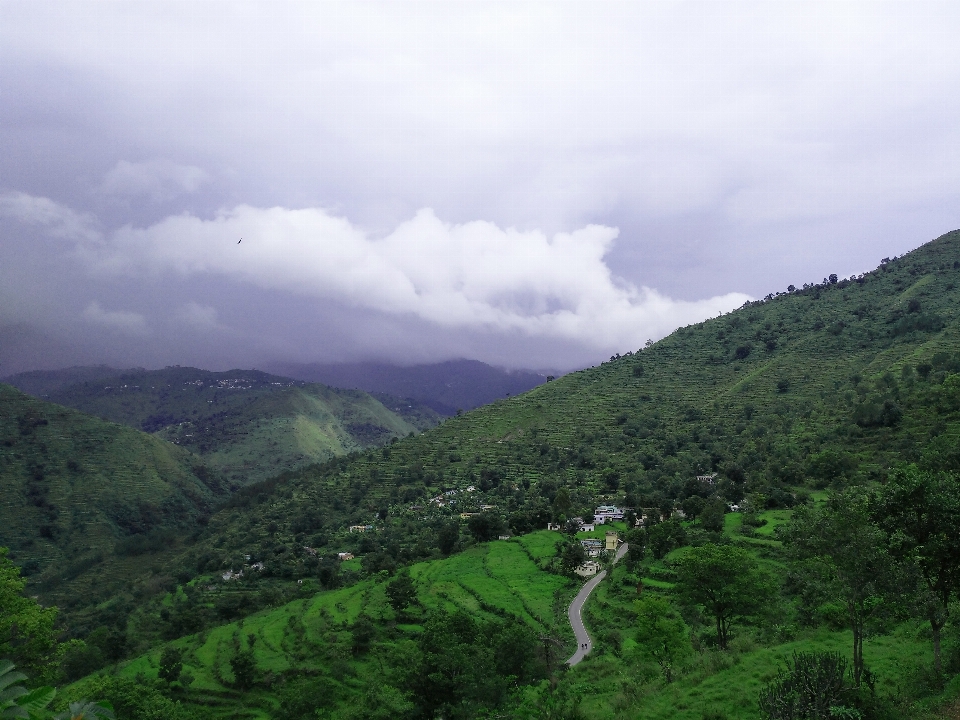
(246, 424)
(87, 504)
(827, 418)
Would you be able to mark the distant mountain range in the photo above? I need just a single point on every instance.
(246, 424)
(446, 387)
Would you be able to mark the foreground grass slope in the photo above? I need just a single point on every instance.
(88, 503)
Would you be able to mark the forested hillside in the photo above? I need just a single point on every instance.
(799, 456)
(247, 424)
(87, 503)
(820, 386)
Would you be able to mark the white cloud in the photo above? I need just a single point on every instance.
(129, 323)
(470, 275)
(158, 180)
(58, 220)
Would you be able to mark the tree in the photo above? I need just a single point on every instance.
(711, 517)
(666, 536)
(920, 513)
(171, 664)
(662, 635)
(448, 537)
(841, 539)
(692, 506)
(726, 581)
(572, 556)
(636, 547)
(402, 591)
(561, 505)
(27, 635)
(244, 665)
(484, 526)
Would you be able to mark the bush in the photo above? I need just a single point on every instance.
(813, 686)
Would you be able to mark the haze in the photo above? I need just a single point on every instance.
(528, 184)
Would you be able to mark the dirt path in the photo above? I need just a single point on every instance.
(584, 643)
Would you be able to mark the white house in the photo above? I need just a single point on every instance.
(607, 512)
(588, 569)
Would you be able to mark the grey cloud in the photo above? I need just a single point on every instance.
(737, 147)
(157, 180)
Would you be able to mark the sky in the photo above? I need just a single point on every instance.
(530, 184)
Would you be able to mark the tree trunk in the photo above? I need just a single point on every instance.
(857, 654)
(935, 627)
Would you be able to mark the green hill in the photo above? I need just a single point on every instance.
(247, 424)
(816, 388)
(822, 386)
(87, 503)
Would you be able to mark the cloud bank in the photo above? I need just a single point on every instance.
(469, 275)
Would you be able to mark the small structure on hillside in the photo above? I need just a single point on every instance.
(611, 541)
(592, 547)
(231, 575)
(607, 512)
(360, 528)
(588, 569)
(345, 556)
(556, 527)
(503, 537)
(710, 479)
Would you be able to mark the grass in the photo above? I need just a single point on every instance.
(487, 581)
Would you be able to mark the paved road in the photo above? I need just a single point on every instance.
(584, 643)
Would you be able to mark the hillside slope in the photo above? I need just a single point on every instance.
(821, 386)
(87, 503)
(446, 387)
(247, 424)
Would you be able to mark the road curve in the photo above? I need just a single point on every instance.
(584, 643)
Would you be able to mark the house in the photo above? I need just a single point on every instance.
(556, 527)
(231, 575)
(607, 512)
(484, 508)
(710, 479)
(345, 556)
(588, 569)
(611, 541)
(592, 547)
(360, 528)
(503, 537)
(258, 566)
(464, 516)
(587, 527)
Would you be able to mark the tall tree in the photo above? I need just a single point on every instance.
(662, 635)
(726, 581)
(920, 513)
(842, 539)
(27, 635)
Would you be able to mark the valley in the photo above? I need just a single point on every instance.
(375, 582)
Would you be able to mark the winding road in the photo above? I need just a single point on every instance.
(584, 643)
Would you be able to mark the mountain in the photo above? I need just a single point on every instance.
(40, 383)
(446, 387)
(88, 503)
(817, 388)
(247, 424)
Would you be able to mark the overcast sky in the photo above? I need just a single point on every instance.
(529, 184)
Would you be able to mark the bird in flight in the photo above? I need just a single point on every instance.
(239, 241)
